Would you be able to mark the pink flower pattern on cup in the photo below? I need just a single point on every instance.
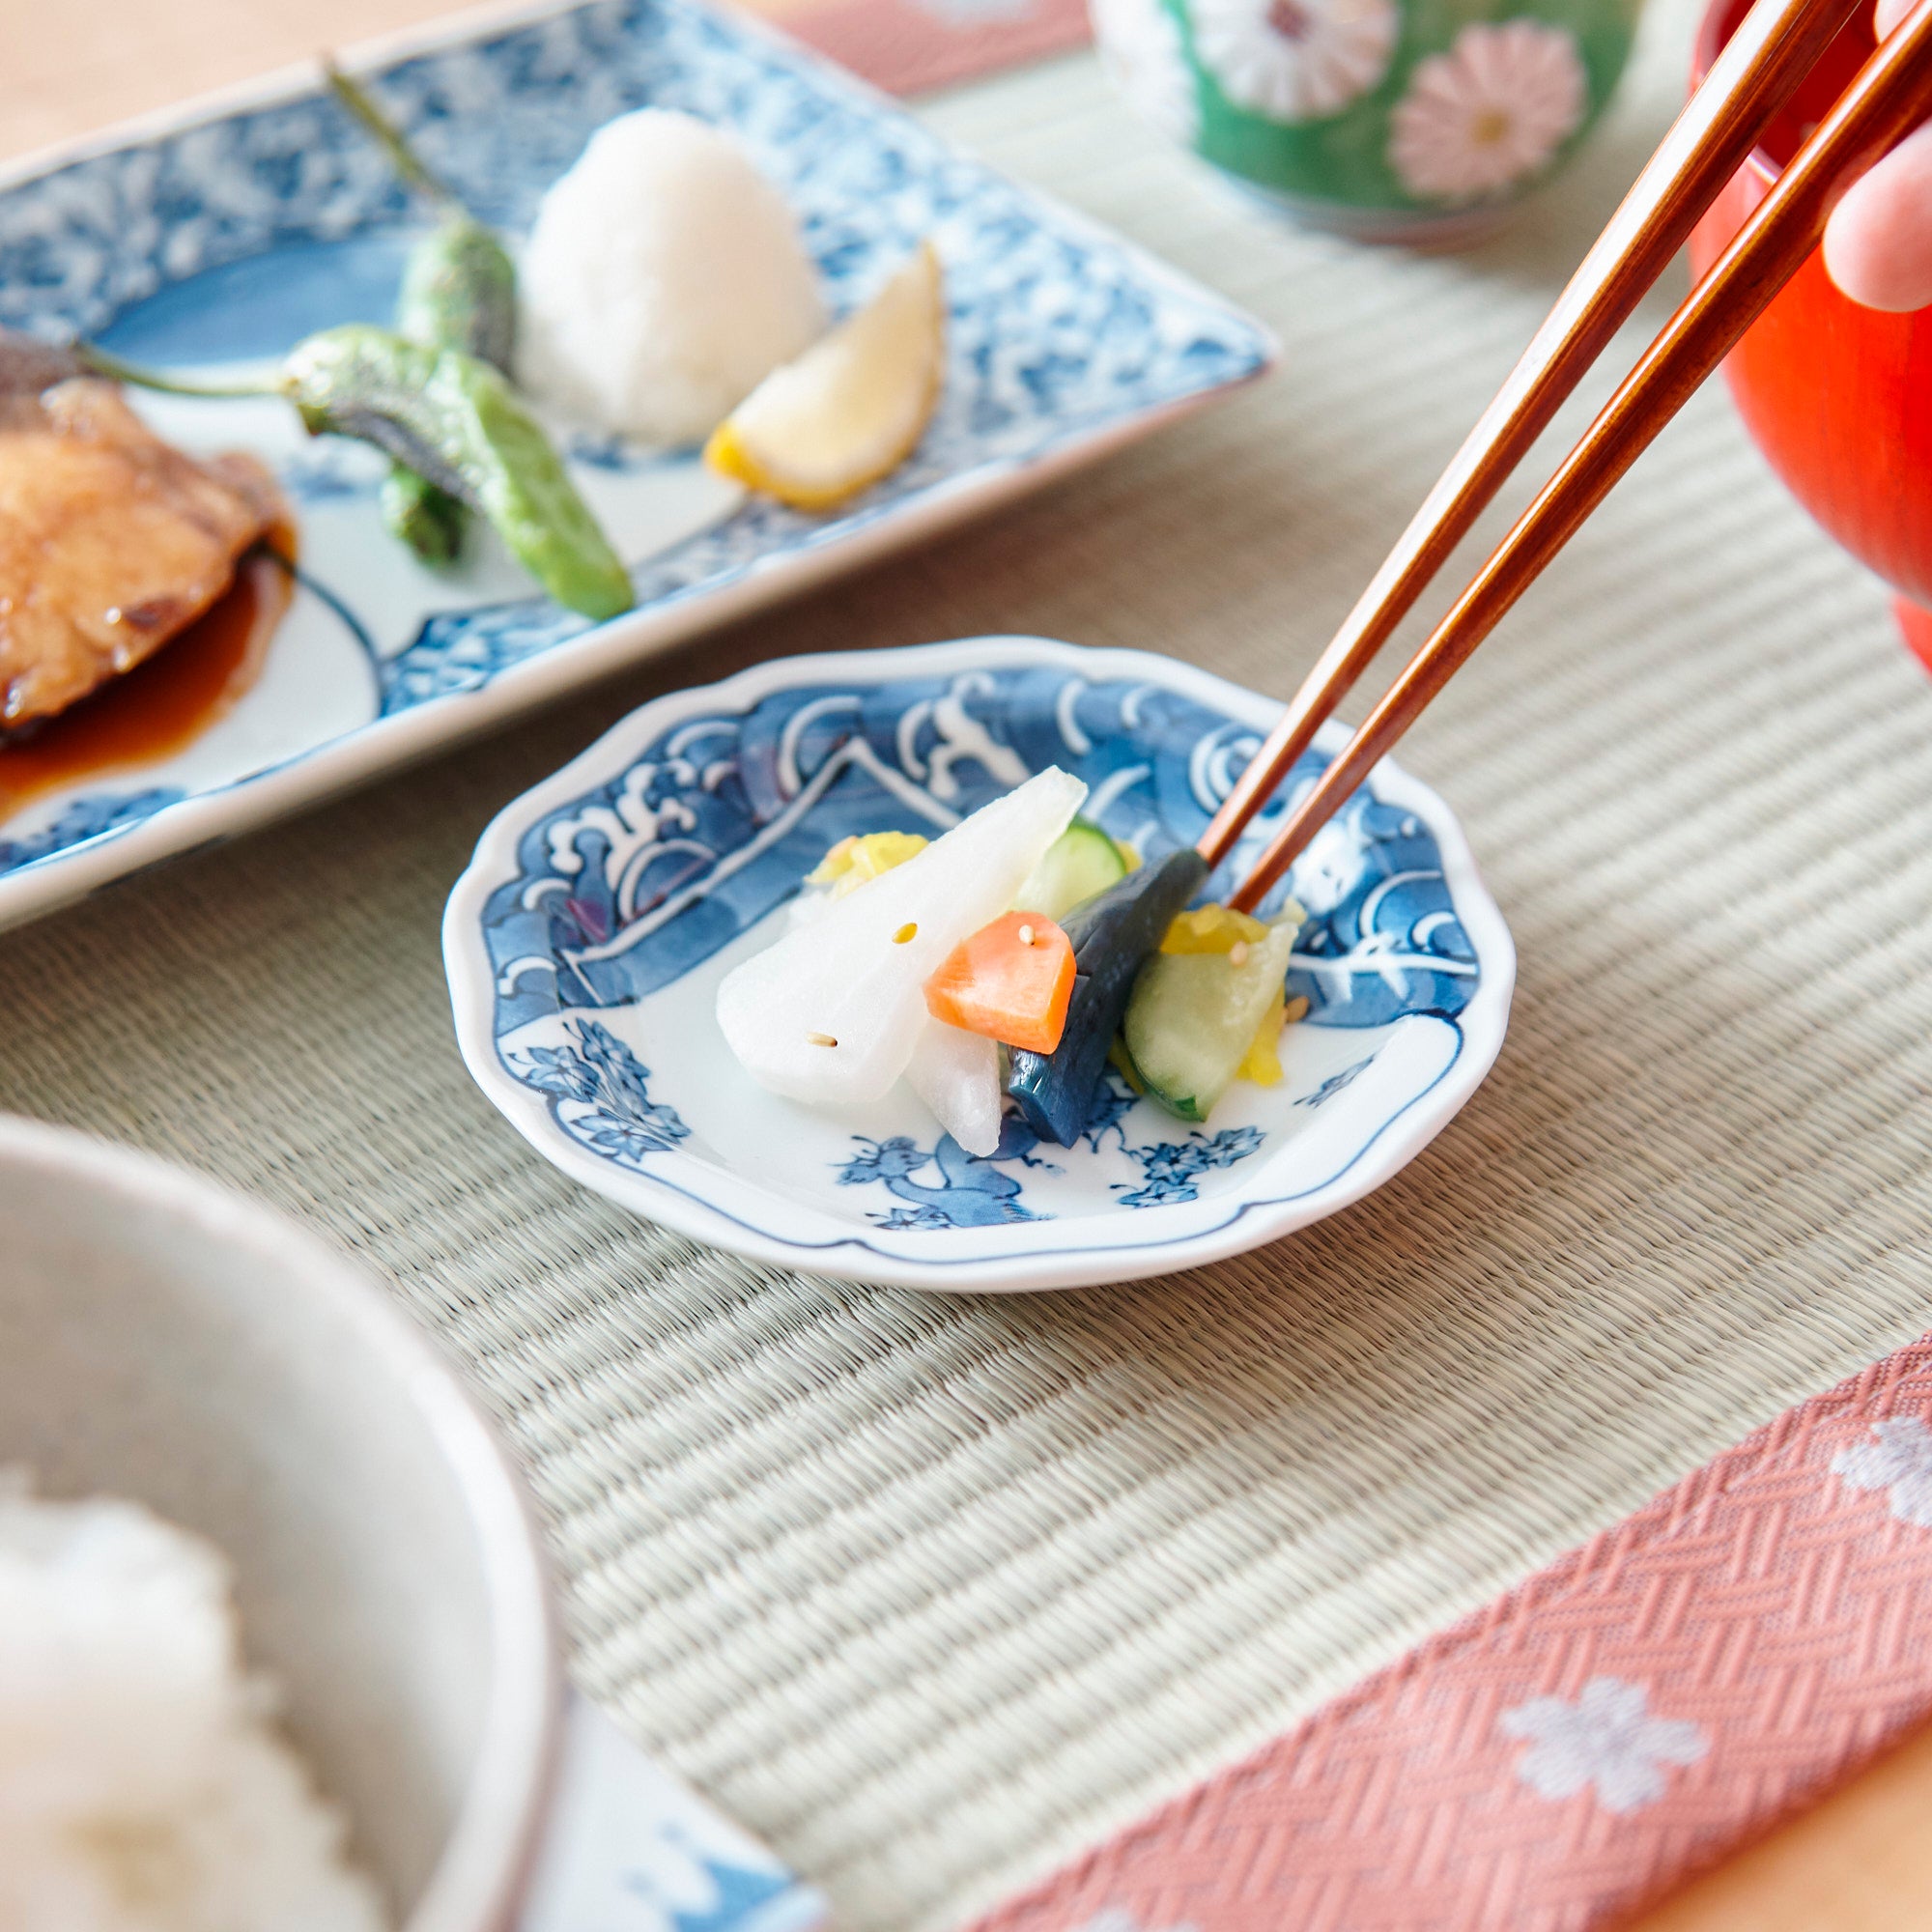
(1488, 114)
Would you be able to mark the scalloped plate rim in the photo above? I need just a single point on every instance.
(1253, 1221)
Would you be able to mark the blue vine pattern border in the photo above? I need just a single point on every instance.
(85, 820)
(1240, 1208)
(971, 1190)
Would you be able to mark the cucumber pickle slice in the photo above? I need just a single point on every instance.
(1192, 1017)
(1081, 861)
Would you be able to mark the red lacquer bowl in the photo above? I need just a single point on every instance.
(1838, 397)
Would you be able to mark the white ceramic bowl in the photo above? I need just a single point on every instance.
(163, 1341)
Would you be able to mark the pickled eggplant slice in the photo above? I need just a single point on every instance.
(1111, 935)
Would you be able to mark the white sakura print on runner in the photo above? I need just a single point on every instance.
(1490, 113)
(1606, 1739)
(1141, 48)
(1899, 1462)
(1295, 60)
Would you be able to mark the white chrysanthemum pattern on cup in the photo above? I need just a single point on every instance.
(1488, 113)
(1899, 1462)
(1140, 47)
(1607, 1739)
(1295, 60)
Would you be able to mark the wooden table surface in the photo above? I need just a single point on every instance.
(1861, 1861)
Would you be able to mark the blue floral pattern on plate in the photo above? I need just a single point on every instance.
(222, 240)
(626, 887)
(601, 1094)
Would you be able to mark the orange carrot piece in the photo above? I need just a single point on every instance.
(1012, 982)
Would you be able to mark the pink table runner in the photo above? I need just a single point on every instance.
(1632, 1713)
(910, 46)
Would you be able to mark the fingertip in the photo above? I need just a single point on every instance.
(1856, 255)
(1878, 243)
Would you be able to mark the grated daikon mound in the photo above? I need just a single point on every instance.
(142, 1785)
(664, 280)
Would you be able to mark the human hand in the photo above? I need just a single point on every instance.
(1878, 243)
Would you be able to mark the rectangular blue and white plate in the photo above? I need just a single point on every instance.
(217, 238)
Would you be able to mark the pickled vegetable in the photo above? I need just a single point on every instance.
(1111, 935)
(1010, 981)
(1196, 1007)
(957, 1076)
(833, 1012)
(1083, 861)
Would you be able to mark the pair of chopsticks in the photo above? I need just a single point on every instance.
(1755, 74)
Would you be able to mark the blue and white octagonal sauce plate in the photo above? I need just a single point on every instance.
(585, 943)
(217, 238)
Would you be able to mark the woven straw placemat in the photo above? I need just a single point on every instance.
(929, 1592)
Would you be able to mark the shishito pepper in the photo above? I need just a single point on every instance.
(454, 420)
(459, 292)
(414, 511)
(458, 422)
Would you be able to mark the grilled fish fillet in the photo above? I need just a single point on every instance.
(111, 542)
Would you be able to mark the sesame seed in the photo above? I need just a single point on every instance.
(821, 1039)
(909, 930)
(1026, 935)
(1238, 953)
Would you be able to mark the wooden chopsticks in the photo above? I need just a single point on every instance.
(1771, 51)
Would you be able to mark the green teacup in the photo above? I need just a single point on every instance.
(1391, 119)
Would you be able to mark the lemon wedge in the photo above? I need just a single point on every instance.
(852, 407)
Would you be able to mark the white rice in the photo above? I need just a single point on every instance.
(664, 279)
(142, 1786)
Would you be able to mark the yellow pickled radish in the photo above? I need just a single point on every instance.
(853, 407)
(863, 856)
(1261, 1063)
(1211, 928)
